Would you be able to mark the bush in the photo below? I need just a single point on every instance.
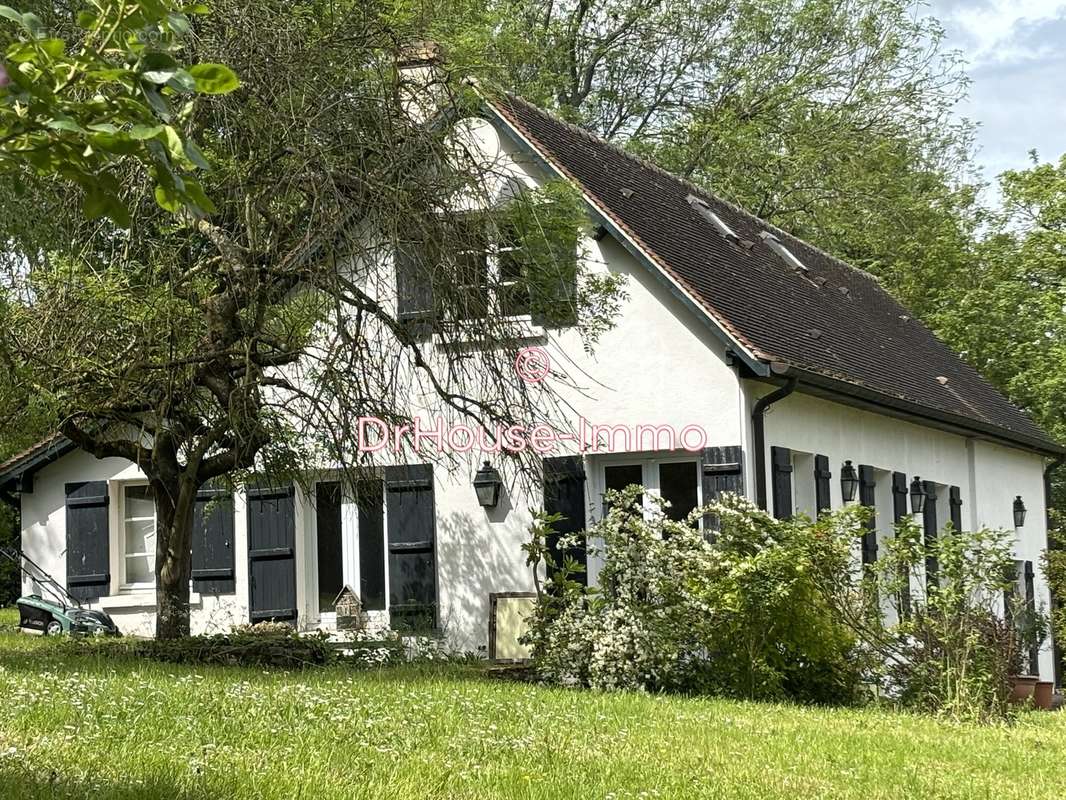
(951, 653)
(246, 648)
(742, 617)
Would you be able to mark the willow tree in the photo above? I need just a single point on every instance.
(251, 335)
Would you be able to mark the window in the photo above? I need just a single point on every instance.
(676, 480)
(328, 538)
(494, 273)
(138, 535)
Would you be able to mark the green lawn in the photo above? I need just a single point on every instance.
(92, 727)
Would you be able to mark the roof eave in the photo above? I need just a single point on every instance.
(850, 394)
(14, 475)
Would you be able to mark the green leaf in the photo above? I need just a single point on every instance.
(182, 81)
(32, 23)
(158, 75)
(196, 193)
(64, 123)
(86, 20)
(174, 143)
(7, 12)
(117, 143)
(179, 23)
(141, 132)
(167, 198)
(196, 155)
(56, 48)
(214, 78)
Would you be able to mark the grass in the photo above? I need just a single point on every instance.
(84, 726)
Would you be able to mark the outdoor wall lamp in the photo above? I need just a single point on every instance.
(849, 482)
(487, 484)
(1019, 512)
(917, 496)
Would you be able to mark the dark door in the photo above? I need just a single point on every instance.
(272, 554)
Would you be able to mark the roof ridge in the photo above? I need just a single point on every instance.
(690, 184)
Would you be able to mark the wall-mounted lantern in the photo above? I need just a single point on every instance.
(487, 484)
(1019, 512)
(849, 482)
(917, 496)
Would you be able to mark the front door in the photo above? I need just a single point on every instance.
(272, 554)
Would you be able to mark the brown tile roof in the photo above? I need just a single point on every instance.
(34, 457)
(832, 320)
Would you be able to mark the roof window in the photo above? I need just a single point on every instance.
(786, 255)
(704, 211)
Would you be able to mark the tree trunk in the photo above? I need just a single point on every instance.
(173, 556)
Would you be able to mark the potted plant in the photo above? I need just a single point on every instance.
(1030, 631)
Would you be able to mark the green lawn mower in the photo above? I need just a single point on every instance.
(63, 614)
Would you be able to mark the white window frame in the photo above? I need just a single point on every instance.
(649, 476)
(124, 584)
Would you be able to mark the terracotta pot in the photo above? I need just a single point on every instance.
(1042, 694)
(1022, 688)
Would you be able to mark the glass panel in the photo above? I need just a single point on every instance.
(139, 569)
(619, 476)
(140, 536)
(139, 502)
(678, 483)
(330, 562)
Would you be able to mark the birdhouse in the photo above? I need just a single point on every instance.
(349, 610)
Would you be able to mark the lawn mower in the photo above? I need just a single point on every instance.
(63, 613)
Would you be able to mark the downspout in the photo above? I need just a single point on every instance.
(1057, 656)
(759, 435)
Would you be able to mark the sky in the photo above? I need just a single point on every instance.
(1016, 54)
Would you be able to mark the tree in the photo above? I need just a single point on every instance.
(252, 340)
(106, 87)
(1008, 316)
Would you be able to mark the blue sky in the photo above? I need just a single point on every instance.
(1016, 54)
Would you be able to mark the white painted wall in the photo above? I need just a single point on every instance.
(44, 539)
(989, 475)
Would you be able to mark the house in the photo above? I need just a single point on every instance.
(744, 359)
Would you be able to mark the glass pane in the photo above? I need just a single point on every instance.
(514, 300)
(139, 502)
(330, 561)
(620, 476)
(678, 483)
(139, 569)
(140, 536)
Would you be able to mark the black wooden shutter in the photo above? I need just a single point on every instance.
(213, 562)
(931, 528)
(781, 475)
(955, 503)
(272, 553)
(564, 493)
(411, 522)
(822, 476)
(414, 288)
(1030, 607)
(371, 504)
(88, 548)
(722, 472)
(900, 510)
(868, 498)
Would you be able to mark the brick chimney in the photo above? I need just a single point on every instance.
(420, 79)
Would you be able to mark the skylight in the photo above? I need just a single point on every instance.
(786, 255)
(704, 211)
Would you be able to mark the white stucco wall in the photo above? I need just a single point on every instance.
(44, 539)
(989, 475)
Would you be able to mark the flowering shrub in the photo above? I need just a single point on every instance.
(743, 616)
